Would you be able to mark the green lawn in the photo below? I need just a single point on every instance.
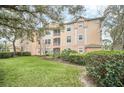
(35, 72)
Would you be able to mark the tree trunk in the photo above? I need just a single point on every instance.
(40, 48)
(123, 47)
(112, 47)
(14, 48)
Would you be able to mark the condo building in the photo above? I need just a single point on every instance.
(82, 35)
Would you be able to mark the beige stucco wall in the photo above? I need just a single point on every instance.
(93, 49)
(91, 35)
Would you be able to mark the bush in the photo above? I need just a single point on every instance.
(26, 53)
(56, 55)
(77, 58)
(6, 54)
(106, 68)
(19, 53)
(65, 54)
(23, 53)
(11, 54)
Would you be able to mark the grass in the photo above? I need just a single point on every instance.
(35, 72)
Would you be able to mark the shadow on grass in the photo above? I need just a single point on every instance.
(2, 76)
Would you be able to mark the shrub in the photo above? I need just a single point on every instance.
(26, 53)
(6, 54)
(77, 58)
(65, 54)
(106, 68)
(10, 54)
(56, 55)
(23, 53)
(19, 53)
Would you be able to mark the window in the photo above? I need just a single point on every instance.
(80, 50)
(80, 24)
(47, 33)
(57, 32)
(38, 41)
(80, 37)
(68, 29)
(47, 41)
(68, 39)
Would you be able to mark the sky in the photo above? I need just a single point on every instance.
(91, 12)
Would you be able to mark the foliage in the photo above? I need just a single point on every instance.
(11, 54)
(6, 54)
(57, 55)
(65, 54)
(23, 53)
(21, 21)
(106, 67)
(113, 24)
(77, 58)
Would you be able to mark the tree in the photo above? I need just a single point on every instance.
(40, 33)
(17, 21)
(114, 24)
(106, 44)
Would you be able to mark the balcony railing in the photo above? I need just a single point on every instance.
(56, 44)
(56, 34)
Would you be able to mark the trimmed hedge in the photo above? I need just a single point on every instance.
(10, 54)
(6, 55)
(106, 68)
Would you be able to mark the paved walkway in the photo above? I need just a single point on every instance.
(84, 80)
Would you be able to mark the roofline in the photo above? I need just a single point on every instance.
(86, 19)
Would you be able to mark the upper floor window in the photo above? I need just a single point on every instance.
(56, 32)
(80, 24)
(47, 41)
(68, 29)
(80, 37)
(48, 33)
(68, 39)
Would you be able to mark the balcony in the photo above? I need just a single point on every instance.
(56, 42)
(56, 33)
